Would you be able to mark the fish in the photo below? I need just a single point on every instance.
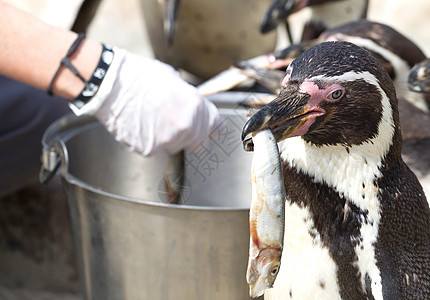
(266, 215)
(261, 69)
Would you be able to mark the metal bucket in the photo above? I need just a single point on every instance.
(130, 243)
(209, 35)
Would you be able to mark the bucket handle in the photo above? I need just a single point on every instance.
(53, 147)
(51, 162)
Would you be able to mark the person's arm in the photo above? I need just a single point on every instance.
(143, 102)
(31, 51)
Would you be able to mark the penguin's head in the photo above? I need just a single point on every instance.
(419, 77)
(334, 93)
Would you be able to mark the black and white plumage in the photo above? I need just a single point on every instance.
(398, 55)
(395, 52)
(357, 220)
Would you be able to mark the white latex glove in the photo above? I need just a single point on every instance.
(145, 104)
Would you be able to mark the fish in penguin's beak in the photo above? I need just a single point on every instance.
(289, 114)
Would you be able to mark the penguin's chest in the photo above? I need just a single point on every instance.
(307, 269)
(323, 265)
(332, 217)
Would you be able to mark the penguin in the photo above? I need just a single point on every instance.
(396, 53)
(419, 77)
(321, 15)
(357, 223)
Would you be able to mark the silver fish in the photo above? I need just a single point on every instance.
(267, 214)
(261, 69)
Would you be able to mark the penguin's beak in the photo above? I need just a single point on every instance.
(286, 116)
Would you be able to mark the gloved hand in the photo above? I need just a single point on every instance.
(146, 105)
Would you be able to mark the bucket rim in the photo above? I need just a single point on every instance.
(76, 181)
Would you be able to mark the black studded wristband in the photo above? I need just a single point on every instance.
(93, 84)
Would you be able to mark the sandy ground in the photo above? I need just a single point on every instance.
(120, 23)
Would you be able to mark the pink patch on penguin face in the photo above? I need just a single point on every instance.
(331, 93)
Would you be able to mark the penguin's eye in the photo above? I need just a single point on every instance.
(274, 271)
(335, 95)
